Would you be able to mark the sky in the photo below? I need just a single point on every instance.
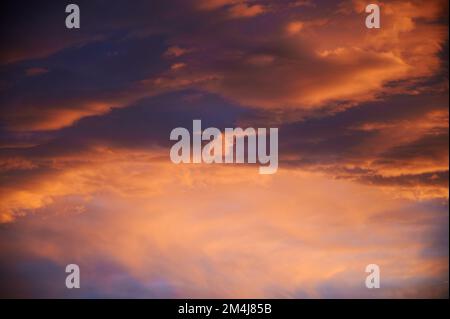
(86, 177)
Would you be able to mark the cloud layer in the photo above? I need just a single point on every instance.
(85, 119)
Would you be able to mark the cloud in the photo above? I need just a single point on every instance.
(246, 11)
(363, 123)
(305, 73)
(298, 238)
(80, 82)
(299, 73)
(399, 145)
(216, 4)
(400, 150)
(35, 71)
(294, 27)
(175, 52)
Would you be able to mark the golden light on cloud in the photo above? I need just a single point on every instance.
(361, 116)
(287, 240)
(294, 27)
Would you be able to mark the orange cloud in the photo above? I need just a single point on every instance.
(237, 235)
(360, 190)
(294, 27)
(246, 11)
(333, 59)
(215, 4)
